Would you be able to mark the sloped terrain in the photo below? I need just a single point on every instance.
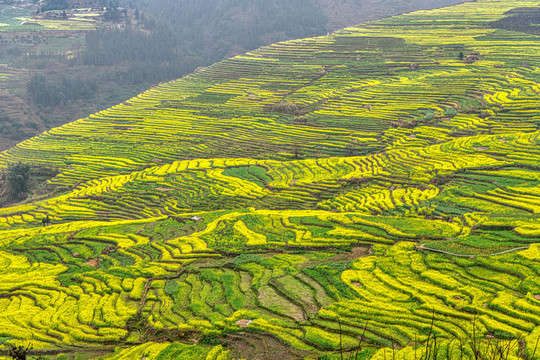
(367, 192)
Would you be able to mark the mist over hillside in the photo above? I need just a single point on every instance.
(223, 28)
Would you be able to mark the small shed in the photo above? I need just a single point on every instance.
(472, 57)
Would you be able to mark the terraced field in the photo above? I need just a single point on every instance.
(363, 194)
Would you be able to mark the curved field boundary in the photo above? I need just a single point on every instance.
(422, 247)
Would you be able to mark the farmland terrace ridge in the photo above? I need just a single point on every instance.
(282, 201)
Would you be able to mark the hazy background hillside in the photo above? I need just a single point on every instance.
(221, 28)
(57, 73)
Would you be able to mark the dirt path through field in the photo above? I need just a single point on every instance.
(422, 247)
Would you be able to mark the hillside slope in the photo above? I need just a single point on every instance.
(367, 192)
(52, 61)
(344, 13)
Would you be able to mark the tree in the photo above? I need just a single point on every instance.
(17, 177)
(45, 221)
(19, 352)
(461, 56)
(54, 5)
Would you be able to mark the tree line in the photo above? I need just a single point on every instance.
(47, 91)
(15, 183)
(217, 29)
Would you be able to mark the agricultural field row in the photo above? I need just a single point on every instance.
(141, 263)
(436, 180)
(23, 19)
(303, 299)
(342, 95)
(367, 192)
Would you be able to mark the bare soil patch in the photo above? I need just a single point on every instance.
(356, 252)
(262, 347)
(243, 322)
(161, 188)
(93, 262)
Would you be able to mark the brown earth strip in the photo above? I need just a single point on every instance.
(422, 247)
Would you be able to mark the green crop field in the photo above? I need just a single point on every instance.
(19, 19)
(364, 195)
(13, 18)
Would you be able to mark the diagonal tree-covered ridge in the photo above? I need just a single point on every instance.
(371, 193)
